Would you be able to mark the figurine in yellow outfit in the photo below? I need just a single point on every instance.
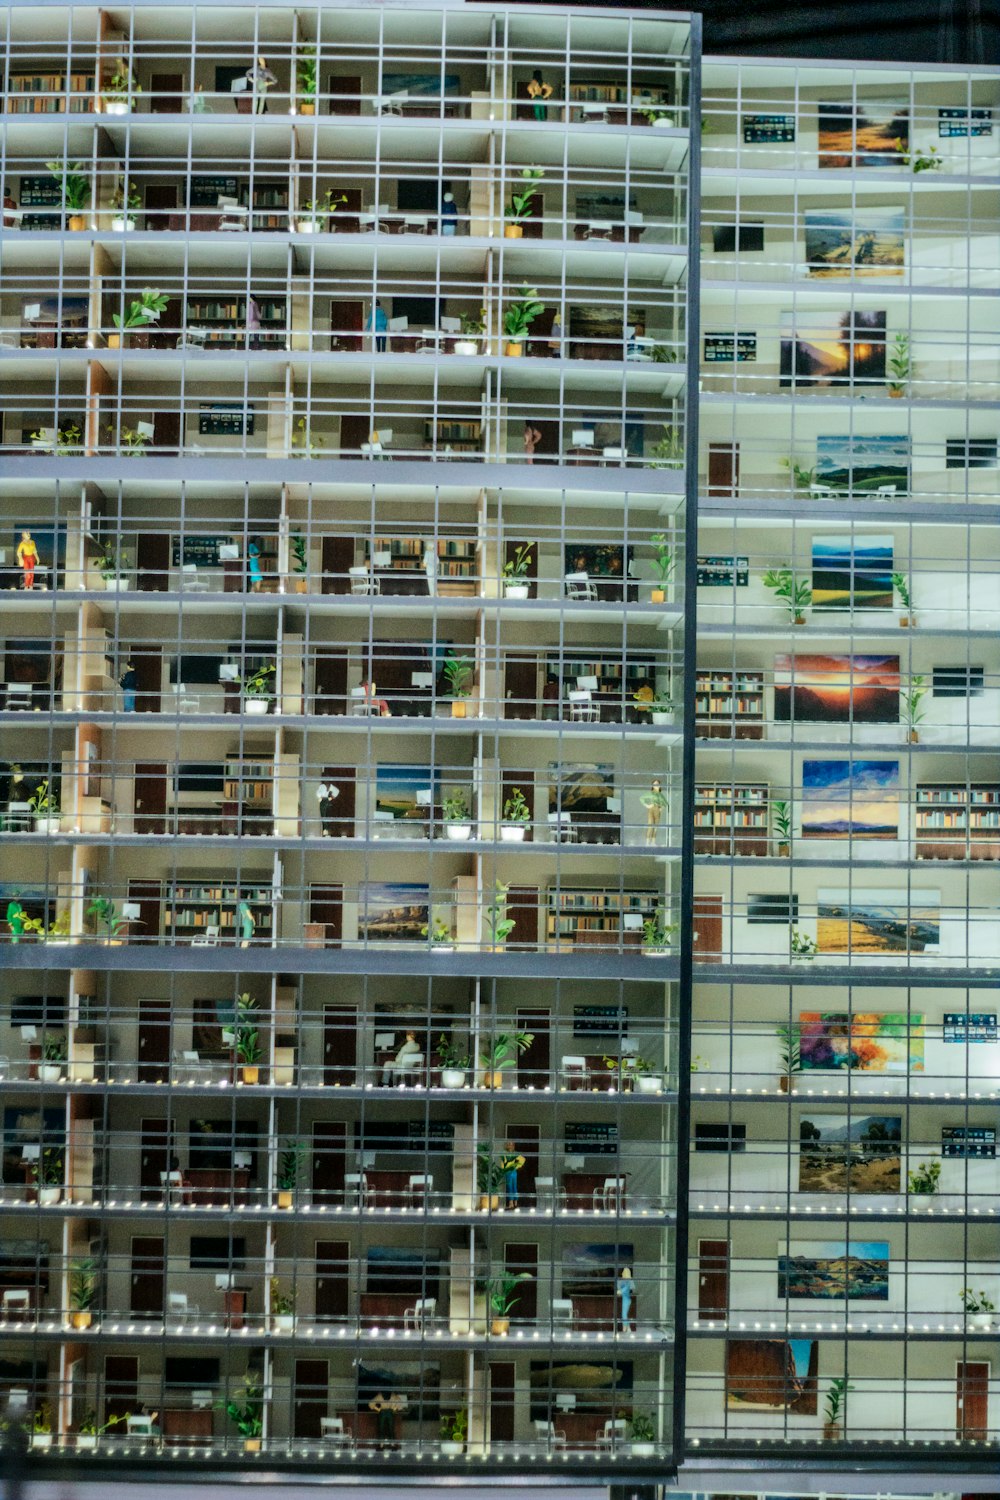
(27, 557)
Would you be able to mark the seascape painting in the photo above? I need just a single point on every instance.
(597, 1387)
(850, 799)
(856, 1153)
(867, 242)
(390, 913)
(823, 349)
(877, 920)
(830, 688)
(772, 1374)
(863, 463)
(852, 573)
(867, 1041)
(832, 1271)
(863, 133)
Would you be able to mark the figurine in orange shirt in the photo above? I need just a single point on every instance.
(27, 557)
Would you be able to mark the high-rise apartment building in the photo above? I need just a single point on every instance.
(455, 1022)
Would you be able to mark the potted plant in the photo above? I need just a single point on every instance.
(516, 816)
(931, 162)
(473, 327)
(500, 925)
(665, 562)
(642, 1435)
(75, 186)
(41, 1426)
(645, 1079)
(520, 208)
(515, 573)
(901, 584)
(305, 73)
(110, 564)
(911, 702)
(457, 819)
(899, 365)
(458, 675)
(54, 1053)
(836, 1408)
(135, 439)
(304, 445)
(47, 1174)
(257, 690)
(82, 1292)
(120, 90)
(246, 1038)
(143, 311)
(125, 200)
(454, 1432)
(91, 1429)
(502, 1296)
(657, 934)
(796, 594)
(453, 1064)
(661, 117)
(978, 1309)
(314, 214)
(59, 932)
(300, 562)
(659, 707)
(518, 318)
(668, 451)
(44, 807)
(290, 1165)
(282, 1307)
(503, 1053)
(801, 476)
(490, 1177)
(801, 947)
(923, 1180)
(790, 1056)
(781, 822)
(247, 1412)
(440, 935)
(104, 911)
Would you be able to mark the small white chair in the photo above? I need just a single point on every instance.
(545, 1194)
(355, 1189)
(419, 1189)
(582, 708)
(18, 695)
(421, 1315)
(331, 1430)
(886, 492)
(140, 1426)
(821, 492)
(179, 1309)
(609, 1197)
(561, 825)
(209, 938)
(580, 586)
(17, 1302)
(615, 1432)
(189, 1068)
(192, 582)
(562, 1316)
(172, 1184)
(546, 1434)
(187, 703)
(362, 702)
(363, 582)
(407, 1071)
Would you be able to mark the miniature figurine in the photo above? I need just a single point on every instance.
(27, 557)
(532, 438)
(626, 1291)
(260, 79)
(449, 214)
(539, 92)
(392, 1070)
(327, 794)
(128, 682)
(253, 567)
(655, 803)
(378, 323)
(511, 1162)
(247, 923)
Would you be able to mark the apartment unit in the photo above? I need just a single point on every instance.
(843, 1188)
(344, 362)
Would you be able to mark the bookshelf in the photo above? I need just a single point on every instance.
(458, 437)
(456, 565)
(731, 818)
(618, 681)
(956, 820)
(193, 907)
(248, 794)
(225, 318)
(729, 705)
(269, 205)
(46, 93)
(594, 917)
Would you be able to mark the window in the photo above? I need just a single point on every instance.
(724, 1136)
(958, 682)
(729, 237)
(772, 908)
(970, 453)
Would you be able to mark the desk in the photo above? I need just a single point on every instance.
(388, 1189)
(581, 1428)
(234, 1307)
(598, 1312)
(185, 1425)
(225, 1186)
(579, 1187)
(576, 457)
(386, 1308)
(362, 1425)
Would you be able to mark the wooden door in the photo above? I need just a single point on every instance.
(347, 219)
(166, 433)
(330, 681)
(522, 908)
(707, 944)
(147, 894)
(146, 1292)
(347, 321)
(519, 1260)
(520, 686)
(154, 1158)
(713, 1279)
(354, 430)
(312, 1392)
(502, 1379)
(337, 557)
(154, 1041)
(340, 1045)
(535, 1062)
(724, 469)
(148, 663)
(329, 1161)
(150, 797)
(160, 202)
(326, 906)
(972, 1415)
(166, 94)
(152, 561)
(532, 226)
(348, 88)
(333, 1285)
(343, 778)
(121, 1385)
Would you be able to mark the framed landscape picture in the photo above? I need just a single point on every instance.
(850, 799)
(772, 1375)
(392, 913)
(822, 349)
(865, 1041)
(602, 1387)
(857, 1153)
(863, 463)
(877, 921)
(863, 133)
(407, 792)
(580, 789)
(832, 689)
(833, 1271)
(843, 242)
(852, 572)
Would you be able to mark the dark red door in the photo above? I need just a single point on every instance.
(146, 1299)
(337, 558)
(348, 89)
(707, 945)
(150, 797)
(326, 907)
(972, 1417)
(502, 1377)
(160, 202)
(522, 909)
(146, 893)
(154, 1040)
(330, 680)
(347, 320)
(154, 1158)
(329, 1161)
(121, 1385)
(340, 1045)
(724, 469)
(333, 1287)
(342, 815)
(166, 92)
(152, 561)
(520, 686)
(148, 665)
(312, 1392)
(522, 1260)
(713, 1279)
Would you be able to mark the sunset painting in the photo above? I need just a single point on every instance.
(877, 920)
(832, 1271)
(850, 799)
(834, 689)
(869, 242)
(821, 349)
(890, 1041)
(868, 133)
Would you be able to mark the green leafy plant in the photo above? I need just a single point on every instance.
(653, 114)
(290, 1164)
(504, 1050)
(454, 1426)
(83, 1285)
(74, 184)
(519, 316)
(133, 442)
(248, 1048)
(44, 800)
(300, 554)
(448, 1055)
(901, 584)
(502, 1292)
(517, 568)
(121, 84)
(473, 325)
(665, 560)
(246, 1411)
(457, 672)
(259, 684)
(126, 196)
(49, 1170)
(923, 1180)
(899, 364)
(54, 1049)
(657, 932)
(145, 310)
(650, 700)
(41, 1421)
(520, 203)
(489, 1171)
(500, 925)
(515, 808)
(911, 701)
(803, 477)
(304, 445)
(282, 1300)
(90, 1427)
(437, 931)
(800, 945)
(836, 1398)
(326, 204)
(790, 1054)
(641, 1429)
(917, 159)
(67, 439)
(795, 594)
(663, 354)
(455, 809)
(668, 451)
(781, 821)
(976, 1302)
(111, 561)
(305, 73)
(106, 913)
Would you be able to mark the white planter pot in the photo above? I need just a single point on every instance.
(114, 583)
(982, 1322)
(665, 122)
(50, 1072)
(459, 833)
(453, 1078)
(643, 1450)
(121, 223)
(512, 833)
(307, 226)
(86, 1442)
(465, 346)
(651, 951)
(451, 1450)
(442, 947)
(660, 718)
(47, 824)
(41, 1440)
(49, 1195)
(117, 107)
(283, 1322)
(256, 705)
(649, 1083)
(516, 590)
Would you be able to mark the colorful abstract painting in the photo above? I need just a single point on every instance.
(850, 799)
(772, 1374)
(876, 920)
(832, 1271)
(822, 349)
(889, 1041)
(857, 1153)
(852, 572)
(835, 689)
(863, 133)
